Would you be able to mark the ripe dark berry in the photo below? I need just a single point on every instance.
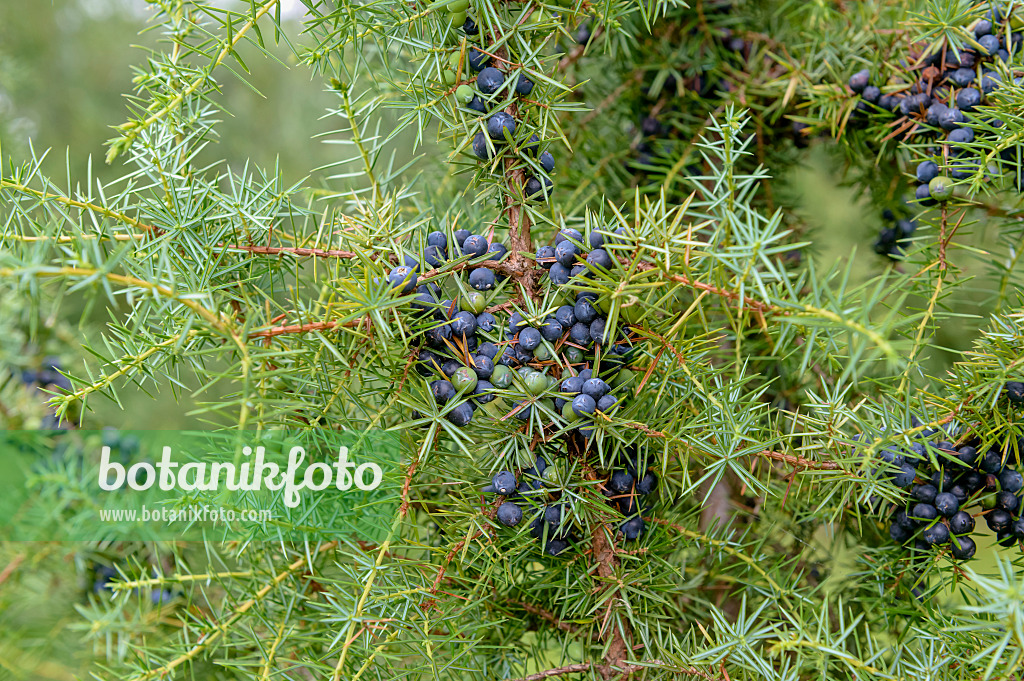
(571, 385)
(891, 456)
(532, 145)
(482, 279)
(961, 77)
(585, 311)
(925, 493)
(951, 119)
(486, 322)
(998, 520)
(871, 94)
(600, 258)
(545, 256)
(559, 274)
(946, 504)
(474, 246)
(924, 512)
(924, 195)
(1015, 392)
(647, 484)
(633, 528)
(580, 334)
(460, 236)
(438, 239)
(983, 27)
(583, 405)
(926, 171)
(913, 104)
(621, 481)
(504, 483)
(859, 80)
(529, 338)
(489, 350)
(402, 279)
(937, 534)
(934, 112)
(470, 27)
(963, 548)
(434, 256)
(524, 86)
(899, 534)
(1017, 528)
(904, 477)
(1007, 501)
(568, 233)
(555, 547)
(481, 148)
(989, 44)
(483, 366)
(968, 456)
(501, 124)
(551, 330)
(489, 80)
(461, 415)
(482, 393)
(968, 98)
(596, 388)
(537, 190)
(566, 316)
(962, 522)
(477, 59)
(509, 514)
(565, 253)
(989, 82)
(547, 161)
(607, 403)
(992, 462)
(497, 251)
(1011, 481)
(477, 104)
(442, 391)
(463, 324)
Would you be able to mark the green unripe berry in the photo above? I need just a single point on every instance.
(541, 353)
(940, 188)
(622, 378)
(453, 61)
(464, 379)
(501, 377)
(449, 78)
(464, 94)
(474, 301)
(458, 19)
(574, 355)
(568, 413)
(456, 6)
(551, 474)
(536, 383)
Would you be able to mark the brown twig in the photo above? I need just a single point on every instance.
(294, 250)
(544, 614)
(548, 673)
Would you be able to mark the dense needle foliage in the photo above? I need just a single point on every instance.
(743, 506)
